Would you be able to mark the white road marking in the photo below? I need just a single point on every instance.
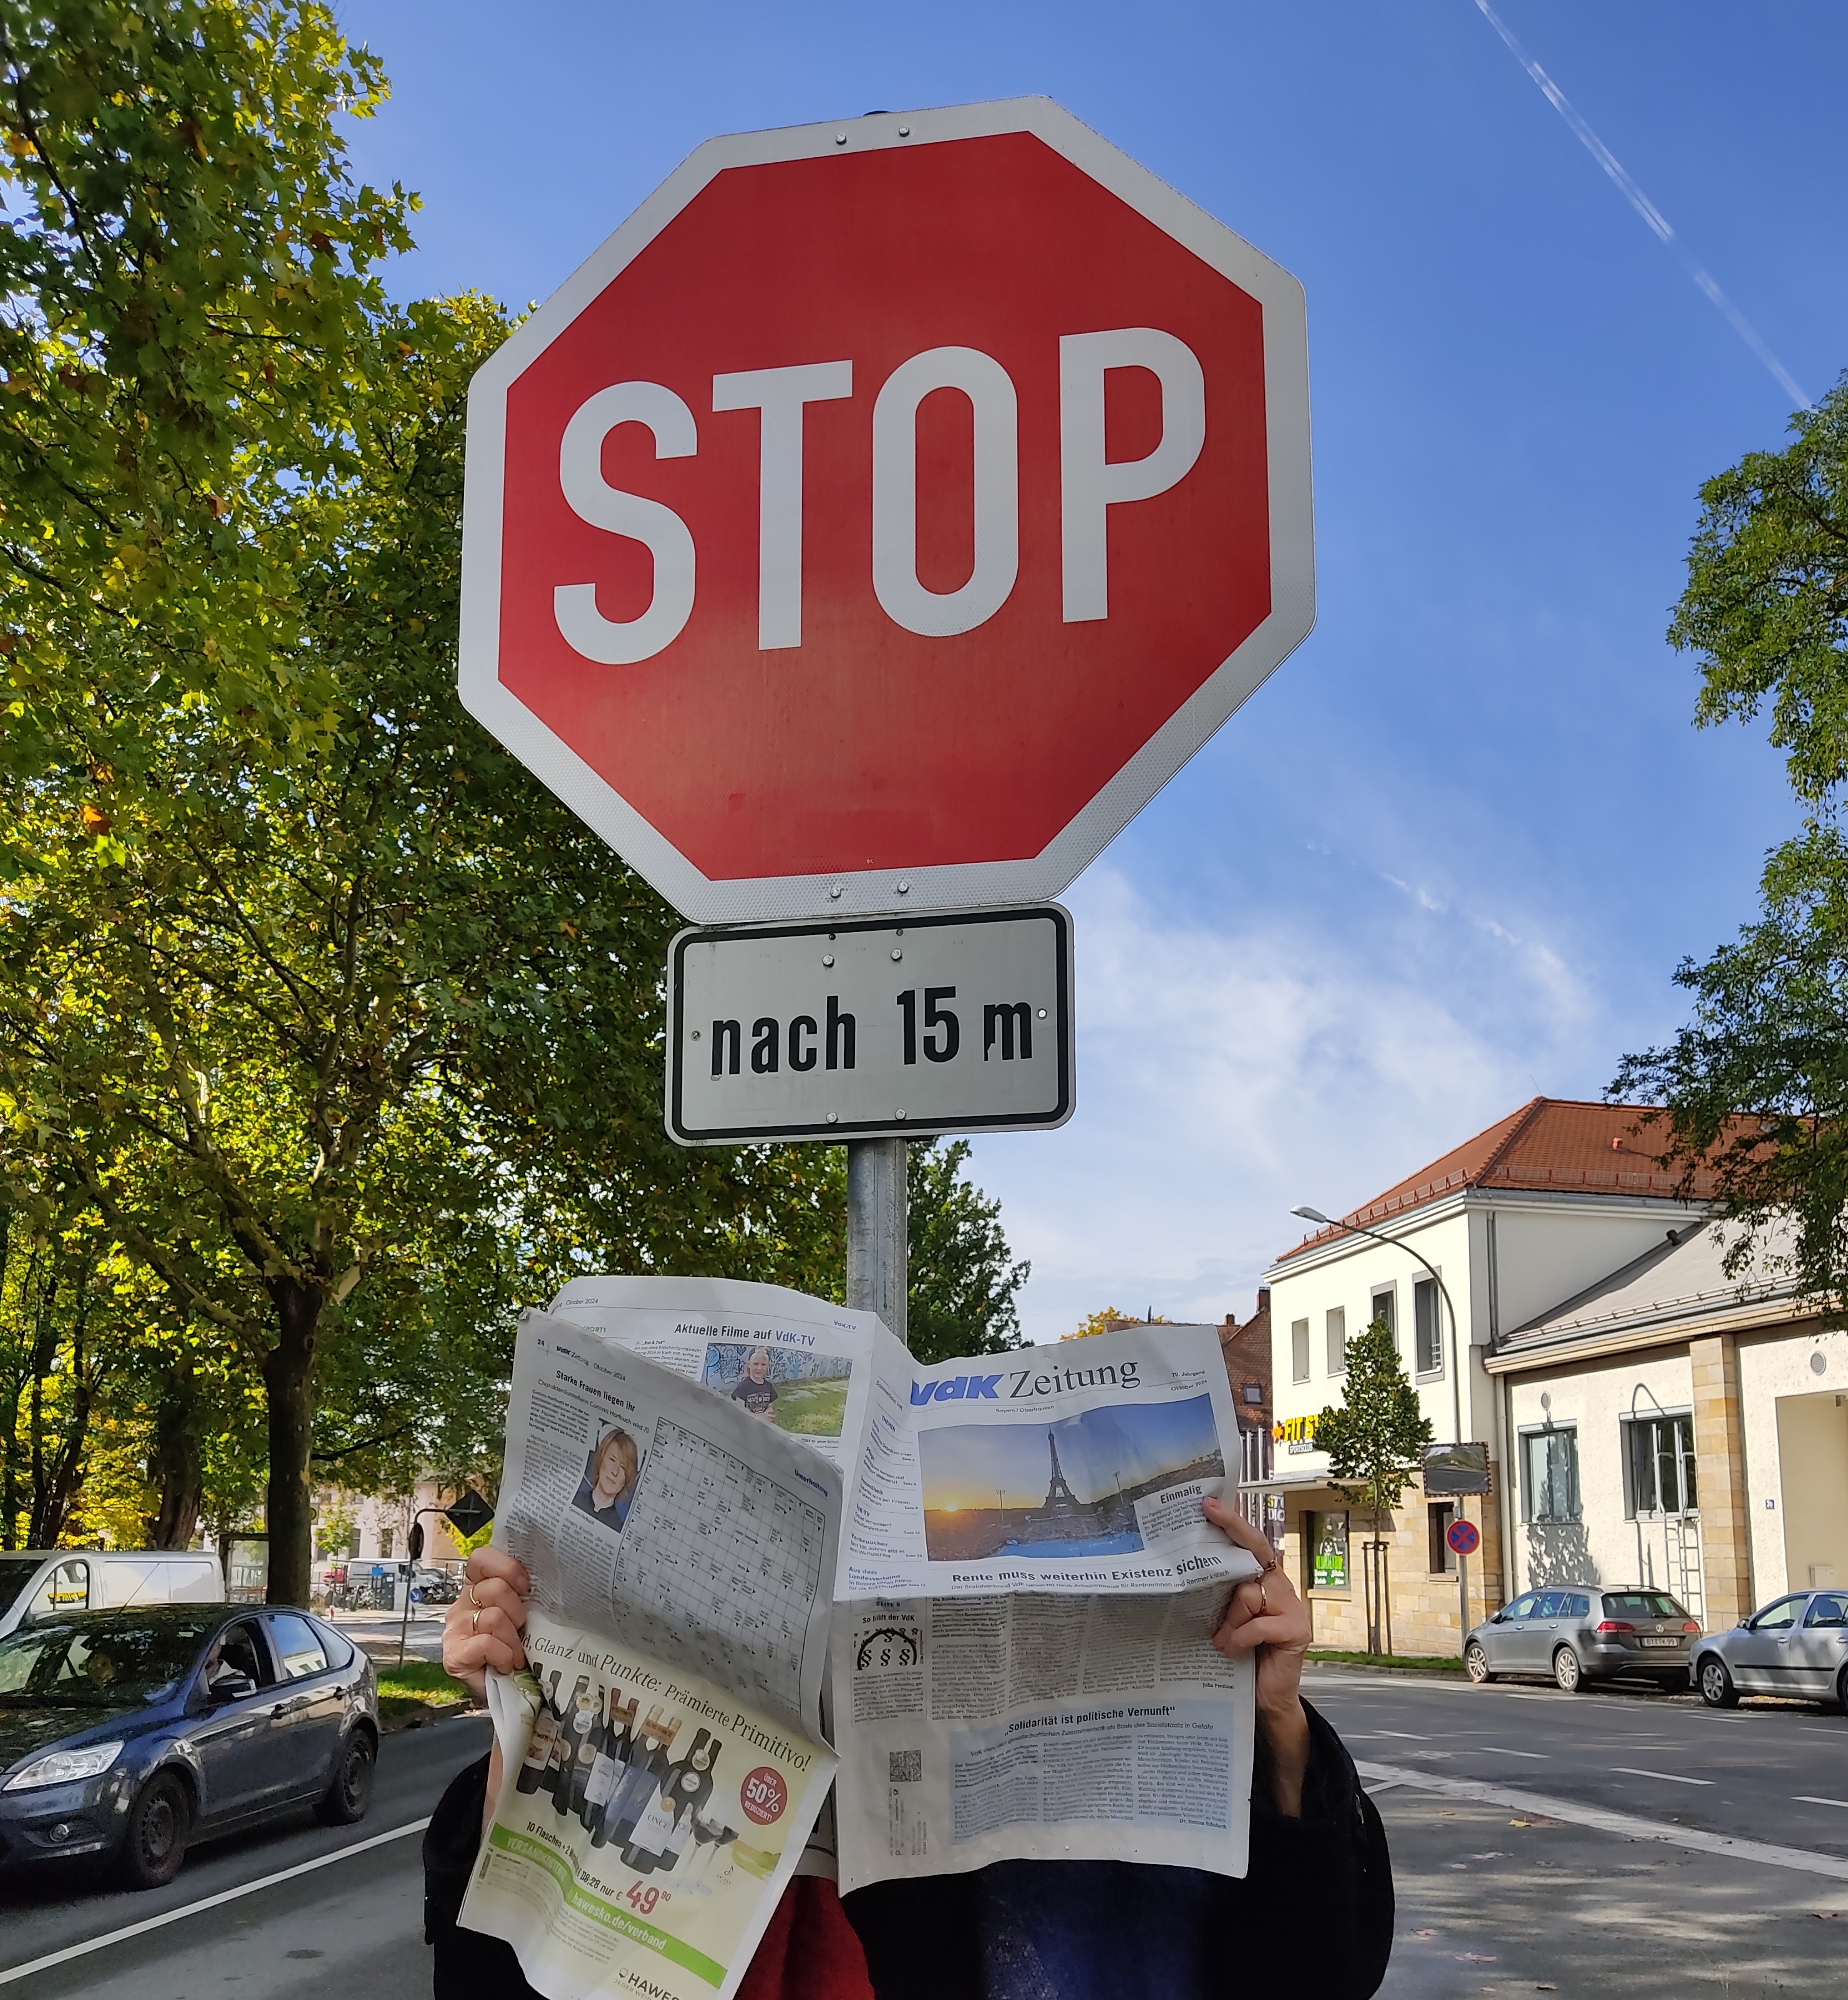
(1667, 1777)
(1495, 1749)
(1629, 1825)
(70, 1951)
(1803, 1799)
(1410, 1735)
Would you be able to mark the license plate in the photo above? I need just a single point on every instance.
(1661, 1642)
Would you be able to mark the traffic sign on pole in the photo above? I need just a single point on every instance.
(885, 512)
(946, 1023)
(1464, 1536)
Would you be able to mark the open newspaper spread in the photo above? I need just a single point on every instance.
(1022, 1663)
(1022, 1653)
(664, 1757)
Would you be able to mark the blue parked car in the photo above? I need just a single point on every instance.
(122, 1734)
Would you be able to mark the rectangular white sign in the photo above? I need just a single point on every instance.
(951, 1023)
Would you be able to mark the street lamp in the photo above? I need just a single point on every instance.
(1456, 1382)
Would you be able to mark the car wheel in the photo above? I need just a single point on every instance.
(349, 1793)
(1567, 1671)
(1716, 1689)
(158, 1823)
(1841, 1687)
(1475, 1664)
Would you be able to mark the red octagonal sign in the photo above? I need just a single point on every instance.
(886, 511)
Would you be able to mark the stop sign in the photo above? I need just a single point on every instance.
(886, 511)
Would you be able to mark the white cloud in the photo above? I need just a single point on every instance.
(1225, 1074)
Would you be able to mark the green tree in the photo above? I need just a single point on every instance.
(363, 1010)
(186, 265)
(962, 1283)
(1375, 1442)
(1754, 1089)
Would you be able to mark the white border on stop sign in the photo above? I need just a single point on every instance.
(962, 885)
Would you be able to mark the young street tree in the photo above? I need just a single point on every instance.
(1375, 1441)
(1755, 1088)
(963, 1283)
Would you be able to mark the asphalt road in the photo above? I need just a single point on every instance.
(1753, 1772)
(1499, 1895)
(353, 1927)
(1607, 1844)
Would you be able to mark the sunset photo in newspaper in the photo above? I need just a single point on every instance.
(1048, 1491)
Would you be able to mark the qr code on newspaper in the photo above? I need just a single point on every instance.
(904, 1767)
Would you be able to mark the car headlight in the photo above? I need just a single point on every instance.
(65, 1767)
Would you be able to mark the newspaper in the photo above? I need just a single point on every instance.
(664, 1756)
(798, 1363)
(1027, 1588)
(1023, 1658)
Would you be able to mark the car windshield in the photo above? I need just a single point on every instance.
(100, 1662)
(15, 1573)
(1641, 1604)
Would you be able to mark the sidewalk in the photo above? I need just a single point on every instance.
(377, 1631)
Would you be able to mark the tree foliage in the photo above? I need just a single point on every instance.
(1754, 1089)
(1375, 1438)
(963, 1282)
(1765, 607)
(186, 264)
(329, 1017)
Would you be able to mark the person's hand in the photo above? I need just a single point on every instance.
(1267, 1620)
(482, 1628)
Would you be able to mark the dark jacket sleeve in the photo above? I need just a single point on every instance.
(470, 1965)
(1327, 1875)
(1315, 1907)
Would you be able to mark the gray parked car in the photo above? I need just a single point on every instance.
(1796, 1645)
(1584, 1633)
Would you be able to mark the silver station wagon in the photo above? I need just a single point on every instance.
(1582, 1633)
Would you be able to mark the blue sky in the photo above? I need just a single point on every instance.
(1451, 854)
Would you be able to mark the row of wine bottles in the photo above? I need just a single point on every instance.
(617, 1775)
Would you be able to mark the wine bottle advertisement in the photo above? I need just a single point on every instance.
(647, 1824)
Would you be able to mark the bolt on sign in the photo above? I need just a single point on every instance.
(885, 512)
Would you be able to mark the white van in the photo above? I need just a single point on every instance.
(42, 1583)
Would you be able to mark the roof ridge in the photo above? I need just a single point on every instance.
(1534, 1107)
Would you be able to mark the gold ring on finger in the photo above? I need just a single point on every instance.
(1264, 1599)
(472, 1598)
(474, 1621)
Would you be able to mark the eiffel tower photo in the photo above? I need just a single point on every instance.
(1061, 1508)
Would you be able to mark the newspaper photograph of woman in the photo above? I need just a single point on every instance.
(803, 1393)
(1049, 1490)
(610, 1472)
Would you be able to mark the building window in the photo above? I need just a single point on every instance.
(1551, 1485)
(1253, 1392)
(1336, 1336)
(1385, 1307)
(1428, 1324)
(352, 1542)
(1659, 1465)
(1443, 1556)
(385, 1542)
(1299, 1350)
(1327, 1539)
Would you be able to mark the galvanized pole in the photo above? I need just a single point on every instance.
(1462, 1596)
(877, 1246)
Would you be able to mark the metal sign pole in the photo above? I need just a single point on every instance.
(877, 1244)
(1462, 1601)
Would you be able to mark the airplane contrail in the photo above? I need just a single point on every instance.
(1643, 207)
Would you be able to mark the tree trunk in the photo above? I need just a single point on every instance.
(288, 1379)
(178, 1467)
